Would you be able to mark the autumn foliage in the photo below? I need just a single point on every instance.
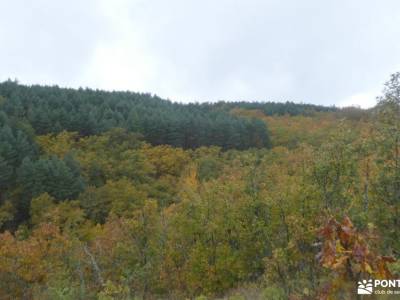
(351, 256)
(95, 209)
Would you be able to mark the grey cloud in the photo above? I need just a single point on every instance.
(324, 51)
(313, 51)
(47, 41)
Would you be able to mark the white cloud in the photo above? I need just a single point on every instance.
(363, 100)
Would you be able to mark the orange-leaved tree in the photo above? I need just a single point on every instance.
(350, 255)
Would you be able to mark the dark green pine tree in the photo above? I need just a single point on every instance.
(61, 179)
(6, 174)
(76, 181)
(23, 146)
(7, 146)
(88, 112)
(133, 122)
(31, 177)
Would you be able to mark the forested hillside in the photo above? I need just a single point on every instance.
(118, 195)
(89, 112)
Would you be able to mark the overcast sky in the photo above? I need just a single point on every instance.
(333, 52)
